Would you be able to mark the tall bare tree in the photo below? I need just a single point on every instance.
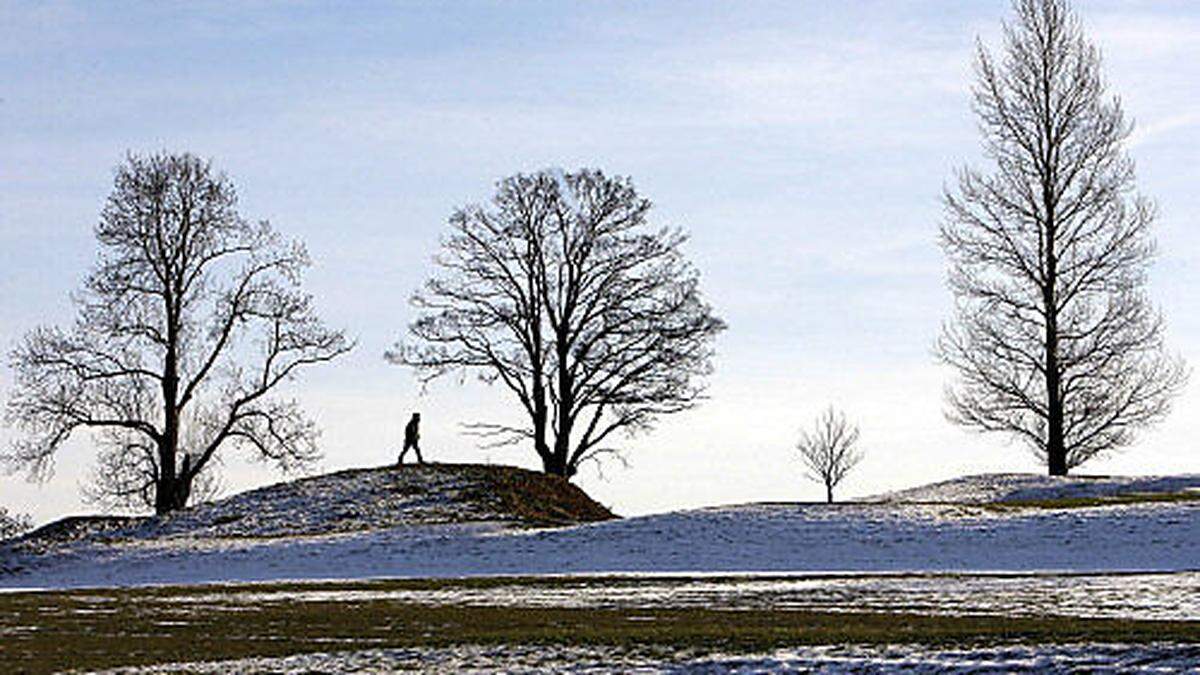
(1053, 339)
(189, 323)
(564, 294)
(830, 450)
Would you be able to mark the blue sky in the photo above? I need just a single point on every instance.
(803, 145)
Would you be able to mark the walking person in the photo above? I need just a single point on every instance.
(412, 437)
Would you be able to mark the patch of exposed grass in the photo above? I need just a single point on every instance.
(535, 497)
(1089, 502)
(531, 498)
(46, 632)
(574, 580)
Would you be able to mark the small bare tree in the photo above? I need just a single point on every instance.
(565, 295)
(1054, 340)
(829, 450)
(189, 323)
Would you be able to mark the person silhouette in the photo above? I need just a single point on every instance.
(412, 437)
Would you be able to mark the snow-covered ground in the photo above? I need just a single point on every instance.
(978, 545)
(1157, 597)
(859, 538)
(1092, 658)
(779, 538)
(991, 488)
(345, 501)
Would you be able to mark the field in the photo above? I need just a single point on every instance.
(553, 623)
(1010, 572)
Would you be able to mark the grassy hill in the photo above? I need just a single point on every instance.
(354, 500)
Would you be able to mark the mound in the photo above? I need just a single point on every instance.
(355, 500)
(992, 488)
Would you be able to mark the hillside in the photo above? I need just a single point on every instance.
(350, 501)
(1016, 488)
(451, 521)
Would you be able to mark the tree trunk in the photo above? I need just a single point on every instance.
(555, 464)
(540, 423)
(166, 497)
(828, 493)
(559, 457)
(172, 493)
(174, 485)
(163, 499)
(566, 411)
(1056, 452)
(164, 486)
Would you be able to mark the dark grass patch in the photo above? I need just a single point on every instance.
(524, 496)
(1091, 502)
(46, 632)
(535, 497)
(572, 580)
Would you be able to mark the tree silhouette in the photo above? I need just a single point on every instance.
(829, 450)
(1053, 338)
(186, 327)
(563, 293)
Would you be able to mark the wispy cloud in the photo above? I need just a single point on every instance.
(803, 144)
(1164, 129)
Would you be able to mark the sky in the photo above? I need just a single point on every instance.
(803, 145)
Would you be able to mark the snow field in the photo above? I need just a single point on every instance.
(1092, 658)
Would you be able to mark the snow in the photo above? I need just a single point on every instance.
(351, 528)
(1126, 596)
(944, 549)
(1092, 658)
(337, 502)
(1023, 487)
(757, 538)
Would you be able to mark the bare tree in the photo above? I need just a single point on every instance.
(564, 294)
(1054, 340)
(189, 323)
(829, 450)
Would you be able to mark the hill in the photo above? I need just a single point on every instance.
(353, 500)
(451, 521)
(1028, 488)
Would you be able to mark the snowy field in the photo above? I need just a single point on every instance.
(754, 538)
(646, 624)
(1091, 658)
(1128, 596)
(1004, 546)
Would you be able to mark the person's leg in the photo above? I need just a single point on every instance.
(420, 459)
